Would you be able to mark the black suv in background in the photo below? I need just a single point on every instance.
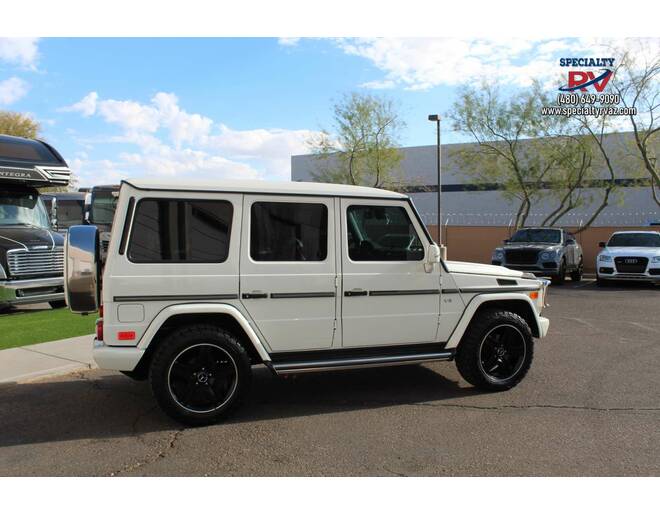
(31, 254)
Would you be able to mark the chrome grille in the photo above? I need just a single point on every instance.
(30, 263)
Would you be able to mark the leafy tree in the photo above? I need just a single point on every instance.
(363, 146)
(18, 124)
(530, 156)
(637, 80)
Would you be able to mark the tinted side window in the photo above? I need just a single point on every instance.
(284, 231)
(181, 231)
(377, 233)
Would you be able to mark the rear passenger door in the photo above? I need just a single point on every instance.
(288, 270)
(388, 296)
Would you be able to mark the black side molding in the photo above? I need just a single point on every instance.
(175, 298)
(321, 294)
(402, 292)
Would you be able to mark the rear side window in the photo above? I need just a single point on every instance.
(169, 230)
(283, 231)
(377, 233)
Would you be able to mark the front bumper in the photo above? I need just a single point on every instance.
(544, 325)
(118, 358)
(34, 290)
(615, 275)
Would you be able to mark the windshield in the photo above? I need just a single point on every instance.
(536, 235)
(650, 240)
(70, 212)
(22, 208)
(103, 207)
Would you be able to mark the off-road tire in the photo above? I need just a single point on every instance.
(59, 304)
(576, 276)
(175, 345)
(468, 352)
(560, 278)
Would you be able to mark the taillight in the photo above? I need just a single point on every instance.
(99, 329)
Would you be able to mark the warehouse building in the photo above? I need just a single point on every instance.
(471, 213)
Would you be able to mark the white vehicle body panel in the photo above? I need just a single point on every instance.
(141, 297)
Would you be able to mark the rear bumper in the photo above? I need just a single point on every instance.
(35, 290)
(118, 358)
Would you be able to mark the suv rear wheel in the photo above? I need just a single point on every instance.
(496, 350)
(576, 276)
(199, 374)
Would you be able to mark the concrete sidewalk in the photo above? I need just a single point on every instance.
(53, 358)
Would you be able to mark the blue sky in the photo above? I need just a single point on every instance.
(239, 107)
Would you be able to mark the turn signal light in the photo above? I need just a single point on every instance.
(534, 295)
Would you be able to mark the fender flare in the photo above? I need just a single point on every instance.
(203, 308)
(476, 302)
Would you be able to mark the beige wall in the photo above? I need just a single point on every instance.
(475, 244)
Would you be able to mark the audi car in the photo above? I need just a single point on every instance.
(631, 255)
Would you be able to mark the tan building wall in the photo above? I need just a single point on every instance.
(476, 244)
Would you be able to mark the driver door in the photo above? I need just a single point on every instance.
(387, 295)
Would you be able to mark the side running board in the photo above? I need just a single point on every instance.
(329, 362)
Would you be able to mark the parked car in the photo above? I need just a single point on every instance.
(202, 281)
(65, 209)
(545, 252)
(629, 255)
(31, 254)
(101, 212)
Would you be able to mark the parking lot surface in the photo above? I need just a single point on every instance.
(589, 406)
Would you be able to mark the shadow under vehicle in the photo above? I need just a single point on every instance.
(31, 253)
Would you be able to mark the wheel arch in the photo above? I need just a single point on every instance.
(221, 315)
(518, 303)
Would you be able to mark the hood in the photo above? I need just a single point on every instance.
(28, 237)
(634, 251)
(481, 269)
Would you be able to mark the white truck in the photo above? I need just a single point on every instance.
(204, 280)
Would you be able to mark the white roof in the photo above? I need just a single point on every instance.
(264, 186)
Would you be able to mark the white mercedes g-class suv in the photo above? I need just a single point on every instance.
(204, 280)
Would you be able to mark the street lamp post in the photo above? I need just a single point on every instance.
(436, 118)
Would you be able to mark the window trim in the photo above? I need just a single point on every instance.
(177, 199)
(287, 200)
(411, 219)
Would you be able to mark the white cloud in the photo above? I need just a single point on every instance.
(12, 90)
(423, 63)
(173, 142)
(288, 41)
(21, 51)
(86, 106)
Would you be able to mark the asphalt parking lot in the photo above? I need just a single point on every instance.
(590, 406)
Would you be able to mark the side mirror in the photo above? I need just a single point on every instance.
(432, 258)
(434, 254)
(53, 214)
(602, 244)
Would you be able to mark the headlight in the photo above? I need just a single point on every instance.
(498, 255)
(547, 256)
(656, 258)
(605, 258)
(2, 272)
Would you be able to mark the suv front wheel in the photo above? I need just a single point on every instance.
(199, 374)
(496, 350)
